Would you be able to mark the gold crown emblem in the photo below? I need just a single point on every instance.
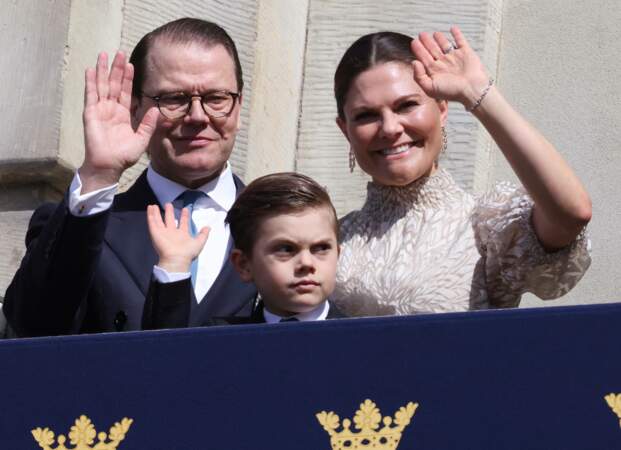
(367, 420)
(614, 401)
(82, 436)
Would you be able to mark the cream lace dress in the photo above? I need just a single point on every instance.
(431, 247)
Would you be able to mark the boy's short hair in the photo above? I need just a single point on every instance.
(271, 195)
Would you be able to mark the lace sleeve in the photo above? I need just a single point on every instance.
(515, 261)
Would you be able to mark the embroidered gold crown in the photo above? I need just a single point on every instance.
(82, 436)
(367, 420)
(614, 401)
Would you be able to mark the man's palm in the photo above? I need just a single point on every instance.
(112, 145)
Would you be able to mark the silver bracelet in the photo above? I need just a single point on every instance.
(485, 91)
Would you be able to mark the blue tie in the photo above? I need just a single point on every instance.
(189, 198)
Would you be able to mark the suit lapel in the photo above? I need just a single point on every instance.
(257, 314)
(219, 298)
(127, 234)
(128, 237)
(334, 312)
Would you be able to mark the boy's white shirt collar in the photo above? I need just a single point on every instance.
(221, 189)
(319, 313)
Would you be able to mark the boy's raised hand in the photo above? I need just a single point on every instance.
(175, 246)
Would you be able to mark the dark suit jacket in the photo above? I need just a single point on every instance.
(168, 306)
(91, 274)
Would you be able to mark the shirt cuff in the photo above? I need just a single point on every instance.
(91, 203)
(163, 276)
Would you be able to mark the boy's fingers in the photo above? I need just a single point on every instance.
(169, 215)
(202, 236)
(153, 215)
(184, 220)
(154, 220)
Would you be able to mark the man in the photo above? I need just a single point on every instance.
(89, 259)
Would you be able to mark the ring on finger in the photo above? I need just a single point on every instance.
(449, 48)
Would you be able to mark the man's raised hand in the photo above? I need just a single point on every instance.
(112, 144)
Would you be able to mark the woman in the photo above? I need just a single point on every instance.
(420, 243)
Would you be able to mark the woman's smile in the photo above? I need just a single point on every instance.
(400, 149)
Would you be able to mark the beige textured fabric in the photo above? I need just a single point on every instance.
(431, 247)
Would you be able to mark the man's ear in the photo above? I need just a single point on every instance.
(343, 127)
(134, 110)
(239, 118)
(242, 265)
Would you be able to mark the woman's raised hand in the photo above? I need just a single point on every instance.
(562, 205)
(174, 244)
(112, 144)
(447, 71)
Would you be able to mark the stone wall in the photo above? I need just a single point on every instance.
(558, 67)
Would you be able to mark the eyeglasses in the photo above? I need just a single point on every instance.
(215, 104)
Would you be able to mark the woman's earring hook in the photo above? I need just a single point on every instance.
(352, 161)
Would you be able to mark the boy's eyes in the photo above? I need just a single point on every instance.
(290, 249)
(284, 249)
(324, 247)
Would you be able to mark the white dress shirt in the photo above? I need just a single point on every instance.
(91, 203)
(208, 211)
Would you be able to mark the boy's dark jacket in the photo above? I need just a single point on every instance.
(168, 305)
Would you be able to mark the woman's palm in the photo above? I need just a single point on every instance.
(445, 72)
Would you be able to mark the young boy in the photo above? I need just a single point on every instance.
(285, 231)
